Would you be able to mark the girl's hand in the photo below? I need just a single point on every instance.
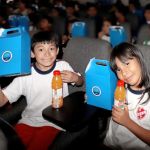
(121, 116)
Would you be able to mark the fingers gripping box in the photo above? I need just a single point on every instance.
(14, 51)
(100, 84)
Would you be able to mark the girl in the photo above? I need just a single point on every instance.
(130, 128)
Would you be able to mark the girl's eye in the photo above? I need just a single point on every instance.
(127, 63)
(40, 49)
(117, 70)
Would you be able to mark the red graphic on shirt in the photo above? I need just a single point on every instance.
(141, 113)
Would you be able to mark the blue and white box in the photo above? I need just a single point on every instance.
(100, 84)
(79, 29)
(117, 35)
(15, 45)
(19, 21)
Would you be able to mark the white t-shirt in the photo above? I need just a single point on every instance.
(106, 38)
(119, 137)
(37, 90)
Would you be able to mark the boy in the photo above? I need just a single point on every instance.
(36, 132)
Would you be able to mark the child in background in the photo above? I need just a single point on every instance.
(104, 33)
(129, 129)
(36, 132)
(67, 35)
(45, 23)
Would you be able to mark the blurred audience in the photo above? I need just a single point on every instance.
(59, 14)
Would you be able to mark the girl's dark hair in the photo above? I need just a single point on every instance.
(126, 51)
(45, 36)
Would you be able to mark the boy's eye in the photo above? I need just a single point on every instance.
(52, 48)
(40, 49)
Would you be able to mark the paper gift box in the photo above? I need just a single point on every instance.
(15, 51)
(79, 29)
(117, 35)
(100, 84)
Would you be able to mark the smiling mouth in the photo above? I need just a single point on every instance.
(46, 59)
(128, 79)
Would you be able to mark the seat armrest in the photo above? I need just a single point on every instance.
(12, 112)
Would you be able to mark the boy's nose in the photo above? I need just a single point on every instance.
(47, 53)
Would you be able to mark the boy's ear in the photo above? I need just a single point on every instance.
(57, 51)
(32, 55)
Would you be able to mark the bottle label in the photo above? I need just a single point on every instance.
(119, 103)
(57, 100)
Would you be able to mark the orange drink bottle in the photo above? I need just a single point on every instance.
(57, 84)
(120, 95)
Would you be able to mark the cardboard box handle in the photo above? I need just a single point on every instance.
(11, 31)
(101, 64)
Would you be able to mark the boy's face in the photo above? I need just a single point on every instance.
(45, 54)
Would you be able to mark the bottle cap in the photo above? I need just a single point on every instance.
(56, 72)
(120, 83)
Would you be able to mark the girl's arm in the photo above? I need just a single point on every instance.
(122, 117)
(139, 131)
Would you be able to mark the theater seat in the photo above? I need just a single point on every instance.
(143, 35)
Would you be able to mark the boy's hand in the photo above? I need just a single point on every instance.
(69, 77)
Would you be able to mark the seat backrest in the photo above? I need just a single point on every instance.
(144, 34)
(59, 25)
(145, 49)
(134, 22)
(91, 27)
(79, 51)
(127, 28)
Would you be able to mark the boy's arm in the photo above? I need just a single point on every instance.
(3, 98)
(78, 79)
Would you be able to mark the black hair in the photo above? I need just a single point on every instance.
(45, 36)
(147, 7)
(126, 51)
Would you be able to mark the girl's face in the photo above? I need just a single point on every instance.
(129, 71)
(45, 55)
